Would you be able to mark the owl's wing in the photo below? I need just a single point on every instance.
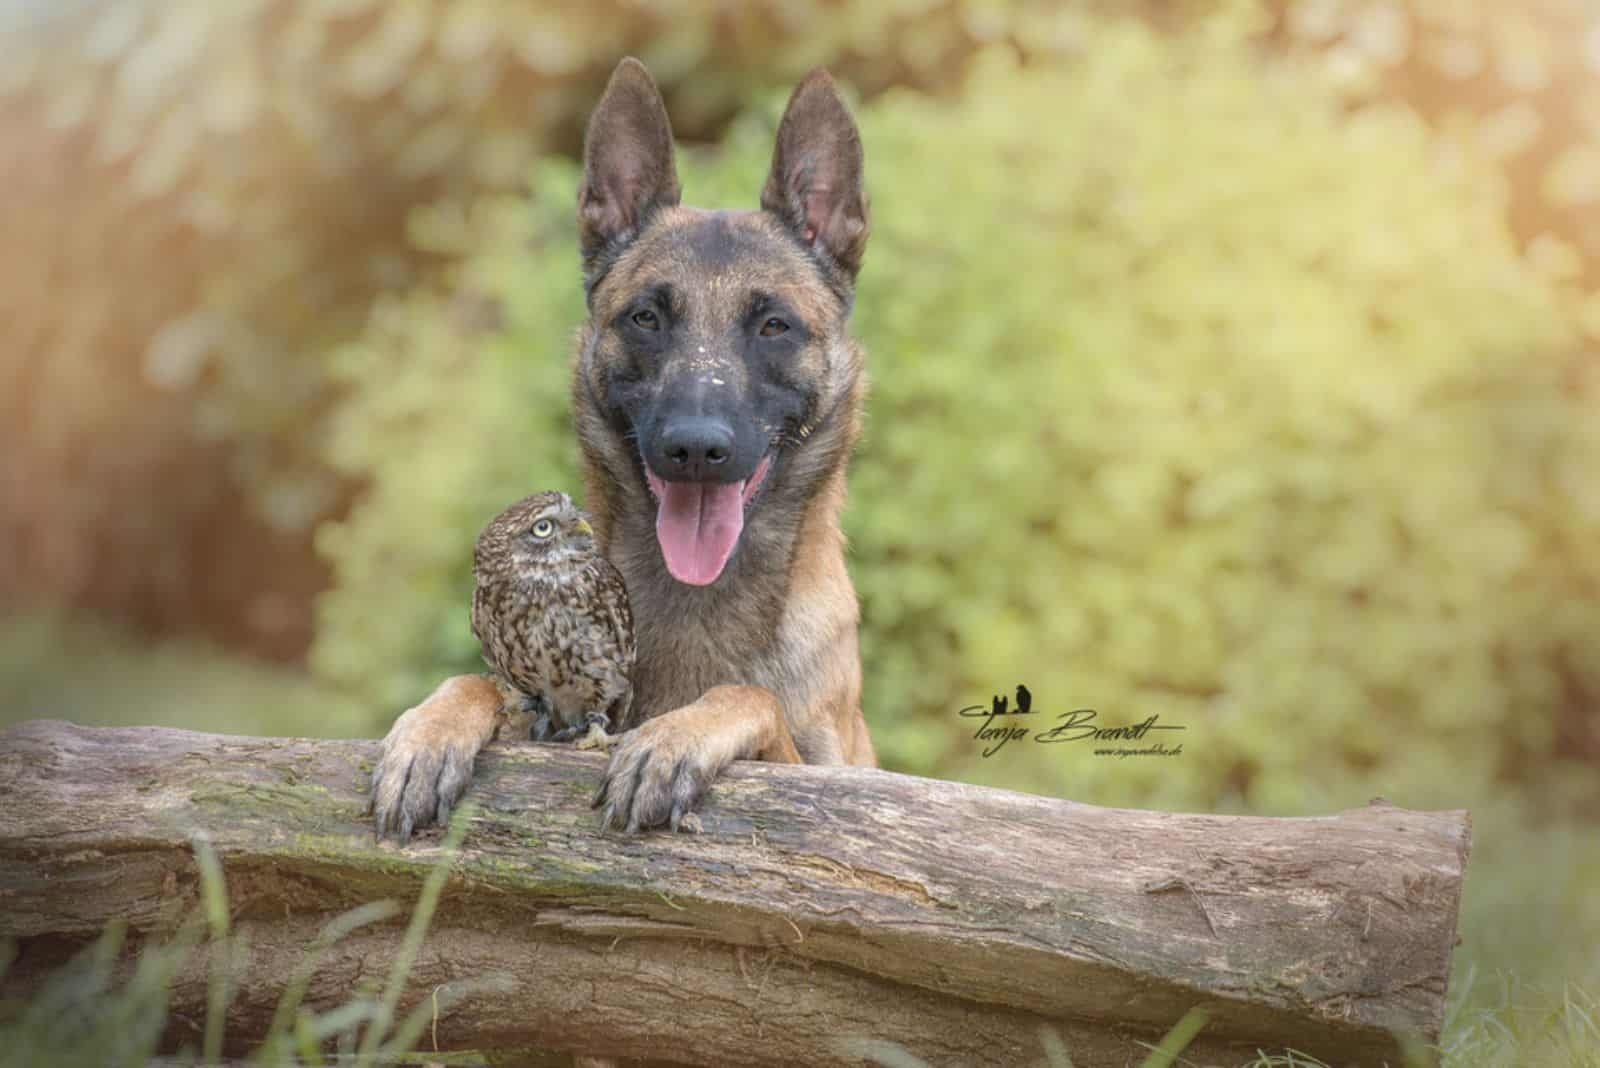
(482, 619)
(479, 617)
(612, 607)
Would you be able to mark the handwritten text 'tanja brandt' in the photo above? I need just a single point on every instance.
(999, 727)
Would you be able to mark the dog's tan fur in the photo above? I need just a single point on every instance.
(762, 663)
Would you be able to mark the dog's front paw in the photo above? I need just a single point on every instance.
(428, 756)
(657, 774)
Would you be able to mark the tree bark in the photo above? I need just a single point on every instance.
(815, 905)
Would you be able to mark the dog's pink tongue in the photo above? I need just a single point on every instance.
(698, 525)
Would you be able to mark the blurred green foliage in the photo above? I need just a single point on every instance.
(202, 197)
(1195, 393)
(261, 155)
(206, 196)
(103, 676)
(458, 395)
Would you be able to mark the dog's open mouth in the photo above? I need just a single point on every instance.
(698, 523)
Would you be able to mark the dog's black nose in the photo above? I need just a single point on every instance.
(693, 447)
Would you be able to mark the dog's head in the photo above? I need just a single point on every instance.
(716, 354)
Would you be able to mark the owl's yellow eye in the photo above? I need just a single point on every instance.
(543, 528)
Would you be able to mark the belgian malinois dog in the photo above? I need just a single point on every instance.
(716, 396)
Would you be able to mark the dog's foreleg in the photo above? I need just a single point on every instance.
(428, 755)
(660, 769)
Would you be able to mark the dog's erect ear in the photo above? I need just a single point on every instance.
(627, 162)
(816, 182)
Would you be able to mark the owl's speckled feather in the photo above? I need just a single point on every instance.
(553, 616)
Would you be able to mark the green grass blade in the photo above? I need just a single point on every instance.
(879, 1051)
(214, 899)
(421, 917)
(1055, 1050)
(280, 1034)
(1177, 1039)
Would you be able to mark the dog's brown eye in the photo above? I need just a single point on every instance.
(646, 320)
(773, 327)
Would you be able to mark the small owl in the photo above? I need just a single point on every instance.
(553, 617)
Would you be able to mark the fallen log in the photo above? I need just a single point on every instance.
(816, 904)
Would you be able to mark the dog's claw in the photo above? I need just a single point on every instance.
(684, 820)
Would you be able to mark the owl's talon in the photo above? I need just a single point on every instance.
(597, 738)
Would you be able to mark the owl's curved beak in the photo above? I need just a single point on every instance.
(583, 527)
